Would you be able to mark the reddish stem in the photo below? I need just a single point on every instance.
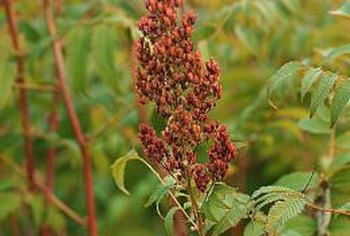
(23, 102)
(74, 120)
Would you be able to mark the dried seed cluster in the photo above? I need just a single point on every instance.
(172, 75)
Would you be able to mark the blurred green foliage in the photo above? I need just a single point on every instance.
(250, 39)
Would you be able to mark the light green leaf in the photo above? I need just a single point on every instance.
(340, 100)
(118, 169)
(308, 80)
(285, 72)
(314, 126)
(298, 180)
(9, 203)
(336, 52)
(169, 221)
(324, 86)
(343, 11)
(78, 50)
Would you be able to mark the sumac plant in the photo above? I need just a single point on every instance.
(172, 75)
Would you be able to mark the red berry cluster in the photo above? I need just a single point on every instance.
(172, 75)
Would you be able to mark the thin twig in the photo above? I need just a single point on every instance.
(74, 120)
(23, 102)
(328, 210)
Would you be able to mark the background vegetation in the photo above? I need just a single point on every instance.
(250, 39)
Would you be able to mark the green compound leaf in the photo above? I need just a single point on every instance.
(225, 207)
(323, 88)
(340, 100)
(282, 211)
(308, 80)
(285, 72)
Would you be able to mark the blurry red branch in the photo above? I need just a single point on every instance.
(73, 118)
(23, 101)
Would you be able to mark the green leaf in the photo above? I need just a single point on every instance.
(78, 50)
(169, 221)
(7, 73)
(118, 169)
(282, 211)
(314, 126)
(343, 141)
(308, 80)
(285, 72)
(341, 180)
(37, 206)
(339, 226)
(343, 11)
(298, 180)
(340, 100)
(324, 86)
(274, 189)
(161, 191)
(10, 202)
(225, 207)
(345, 207)
(340, 162)
(249, 38)
(254, 229)
(301, 225)
(336, 52)
(55, 219)
(104, 47)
